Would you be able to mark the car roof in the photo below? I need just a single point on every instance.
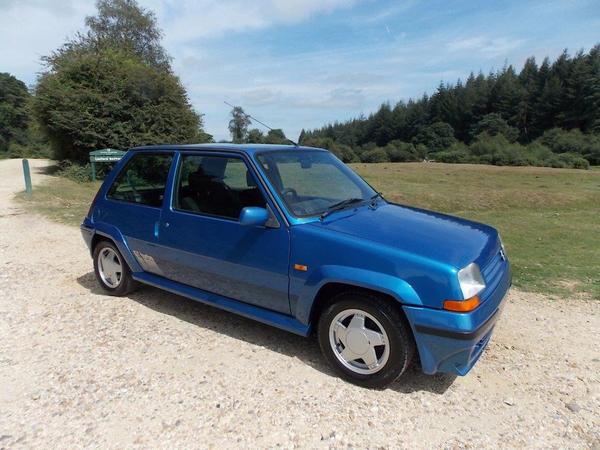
(244, 148)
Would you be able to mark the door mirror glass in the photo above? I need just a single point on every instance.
(254, 216)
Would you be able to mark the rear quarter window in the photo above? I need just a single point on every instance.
(142, 180)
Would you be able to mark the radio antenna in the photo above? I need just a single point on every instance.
(262, 123)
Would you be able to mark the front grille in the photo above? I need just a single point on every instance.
(492, 272)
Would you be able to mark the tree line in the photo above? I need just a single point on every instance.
(546, 114)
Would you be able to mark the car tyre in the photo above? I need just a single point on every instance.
(359, 323)
(111, 270)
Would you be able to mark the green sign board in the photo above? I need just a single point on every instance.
(105, 155)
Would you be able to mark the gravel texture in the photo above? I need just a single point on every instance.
(153, 370)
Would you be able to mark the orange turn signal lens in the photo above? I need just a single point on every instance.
(462, 305)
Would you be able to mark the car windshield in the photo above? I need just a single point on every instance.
(313, 182)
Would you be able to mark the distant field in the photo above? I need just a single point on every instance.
(549, 218)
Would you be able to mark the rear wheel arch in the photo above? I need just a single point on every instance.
(99, 238)
(113, 236)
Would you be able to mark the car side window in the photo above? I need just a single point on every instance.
(143, 180)
(216, 185)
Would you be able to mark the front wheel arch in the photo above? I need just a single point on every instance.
(329, 291)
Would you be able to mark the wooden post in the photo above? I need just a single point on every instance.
(27, 175)
(93, 171)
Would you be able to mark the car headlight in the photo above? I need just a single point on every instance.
(470, 280)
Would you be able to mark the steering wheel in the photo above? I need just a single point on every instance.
(290, 193)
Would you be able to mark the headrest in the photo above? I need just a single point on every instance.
(214, 167)
(198, 180)
(250, 181)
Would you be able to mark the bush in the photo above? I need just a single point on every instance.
(76, 172)
(421, 151)
(343, 152)
(399, 151)
(593, 153)
(573, 141)
(458, 153)
(497, 150)
(574, 160)
(484, 144)
(16, 150)
(539, 153)
(377, 155)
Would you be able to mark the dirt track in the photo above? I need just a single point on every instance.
(81, 369)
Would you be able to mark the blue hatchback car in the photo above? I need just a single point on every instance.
(292, 237)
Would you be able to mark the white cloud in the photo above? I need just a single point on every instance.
(488, 47)
(31, 29)
(212, 18)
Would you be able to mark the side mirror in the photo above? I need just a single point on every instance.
(253, 216)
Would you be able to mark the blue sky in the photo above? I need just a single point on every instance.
(302, 63)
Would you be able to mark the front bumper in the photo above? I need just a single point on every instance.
(453, 342)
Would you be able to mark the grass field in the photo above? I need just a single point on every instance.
(549, 218)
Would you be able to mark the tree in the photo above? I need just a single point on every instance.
(276, 136)
(493, 124)
(255, 136)
(302, 137)
(105, 89)
(238, 125)
(381, 131)
(436, 137)
(14, 116)
(124, 24)
(592, 92)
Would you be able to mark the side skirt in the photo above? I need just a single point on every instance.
(265, 316)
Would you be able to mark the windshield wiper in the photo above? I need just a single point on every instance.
(341, 205)
(373, 199)
(376, 196)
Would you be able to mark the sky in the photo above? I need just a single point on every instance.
(297, 64)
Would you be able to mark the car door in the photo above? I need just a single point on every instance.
(203, 243)
(134, 203)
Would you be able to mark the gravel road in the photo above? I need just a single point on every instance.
(153, 370)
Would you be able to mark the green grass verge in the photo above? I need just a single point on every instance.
(549, 218)
(61, 199)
